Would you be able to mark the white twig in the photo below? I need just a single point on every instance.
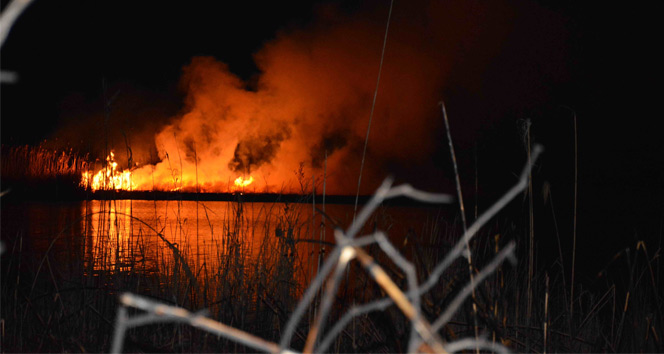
(311, 291)
(9, 16)
(181, 315)
(8, 77)
(411, 276)
(346, 249)
(481, 221)
(120, 328)
(471, 343)
(369, 208)
(353, 312)
(447, 261)
(7, 19)
(468, 289)
(385, 192)
(347, 254)
(406, 190)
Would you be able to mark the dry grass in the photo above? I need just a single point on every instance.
(422, 335)
(241, 305)
(414, 296)
(40, 162)
(41, 172)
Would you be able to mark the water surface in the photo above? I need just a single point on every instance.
(116, 235)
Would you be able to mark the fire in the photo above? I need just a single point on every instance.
(112, 177)
(108, 178)
(240, 182)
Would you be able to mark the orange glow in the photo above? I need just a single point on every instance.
(240, 182)
(302, 121)
(309, 109)
(108, 178)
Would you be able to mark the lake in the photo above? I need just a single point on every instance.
(114, 234)
(246, 263)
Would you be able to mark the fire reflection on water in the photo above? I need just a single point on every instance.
(92, 241)
(109, 227)
(127, 234)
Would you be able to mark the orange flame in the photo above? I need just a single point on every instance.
(240, 182)
(111, 177)
(108, 178)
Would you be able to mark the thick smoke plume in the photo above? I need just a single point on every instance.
(314, 95)
(251, 153)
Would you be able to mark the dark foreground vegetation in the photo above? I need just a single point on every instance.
(50, 303)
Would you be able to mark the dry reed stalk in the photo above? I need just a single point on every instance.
(321, 252)
(347, 248)
(531, 243)
(462, 210)
(576, 188)
(546, 314)
(506, 252)
(157, 312)
(642, 246)
(346, 255)
(456, 251)
(373, 106)
(411, 311)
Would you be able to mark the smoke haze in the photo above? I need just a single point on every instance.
(313, 99)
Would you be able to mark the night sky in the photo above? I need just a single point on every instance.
(495, 64)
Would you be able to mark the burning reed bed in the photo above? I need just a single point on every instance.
(267, 279)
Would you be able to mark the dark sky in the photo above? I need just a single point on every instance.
(68, 48)
(500, 63)
(606, 54)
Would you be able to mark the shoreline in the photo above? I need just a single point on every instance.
(67, 195)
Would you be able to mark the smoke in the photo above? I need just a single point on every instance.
(328, 145)
(313, 99)
(253, 152)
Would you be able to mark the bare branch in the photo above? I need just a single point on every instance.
(471, 343)
(9, 16)
(455, 253)
(346, 249)
(181, 315)
(467, 290)
(481, 221)
(347, 254)
(7, 19)
(401, 300)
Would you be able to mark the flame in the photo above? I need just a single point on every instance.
(240, 182)
(108, 178)
(111, 177)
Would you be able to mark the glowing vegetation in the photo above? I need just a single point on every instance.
(40, 162)
(108, 178)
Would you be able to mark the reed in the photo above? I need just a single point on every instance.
(40, 162)
(251, 285)
(42, 172)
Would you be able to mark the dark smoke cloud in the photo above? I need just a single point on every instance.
(252, 153)
(327, 146)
